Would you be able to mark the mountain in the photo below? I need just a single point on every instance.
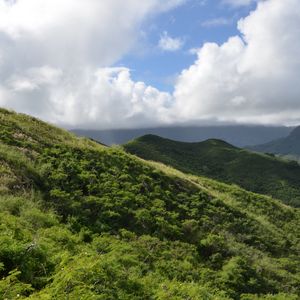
(219, 160)
(237, 135)
(79, 220)
(289, 145)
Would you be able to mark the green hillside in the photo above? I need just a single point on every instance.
(79, 220)
(288, 146)
(219, 160)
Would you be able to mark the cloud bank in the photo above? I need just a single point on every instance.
(252, 78)
(57, 57)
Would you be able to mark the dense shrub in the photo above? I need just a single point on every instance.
(81, 221)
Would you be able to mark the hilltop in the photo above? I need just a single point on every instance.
(289, 145)
(79, 220)
(219, 160)
(237, 135)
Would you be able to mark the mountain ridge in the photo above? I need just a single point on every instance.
(237, 135)
(219, 160)
(289, 145)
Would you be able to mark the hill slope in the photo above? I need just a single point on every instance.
(82, 221)
(219, 160)
(284, 146)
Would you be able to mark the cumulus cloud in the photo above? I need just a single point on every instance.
(103, 99)
(34, 78)
(168, 43)
(53, 55)
(252, 78)
(56, 61)
(70, 31)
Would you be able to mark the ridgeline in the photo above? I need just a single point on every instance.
(216, 159)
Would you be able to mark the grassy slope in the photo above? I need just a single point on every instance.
(82, 221)
(216, 159)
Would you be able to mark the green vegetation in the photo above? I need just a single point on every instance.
(79, 220)
(259, 173)
(289, 157)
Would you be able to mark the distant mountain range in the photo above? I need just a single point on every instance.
(216, 159)
(240, 136)
(289, 145)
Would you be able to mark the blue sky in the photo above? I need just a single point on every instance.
(195, 23)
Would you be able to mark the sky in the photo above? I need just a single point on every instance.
(131, 64)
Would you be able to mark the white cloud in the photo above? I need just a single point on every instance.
(54, 56)
(168, 43)
(252, 78)
(35, 78)
(107, 98)
(74, 31)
